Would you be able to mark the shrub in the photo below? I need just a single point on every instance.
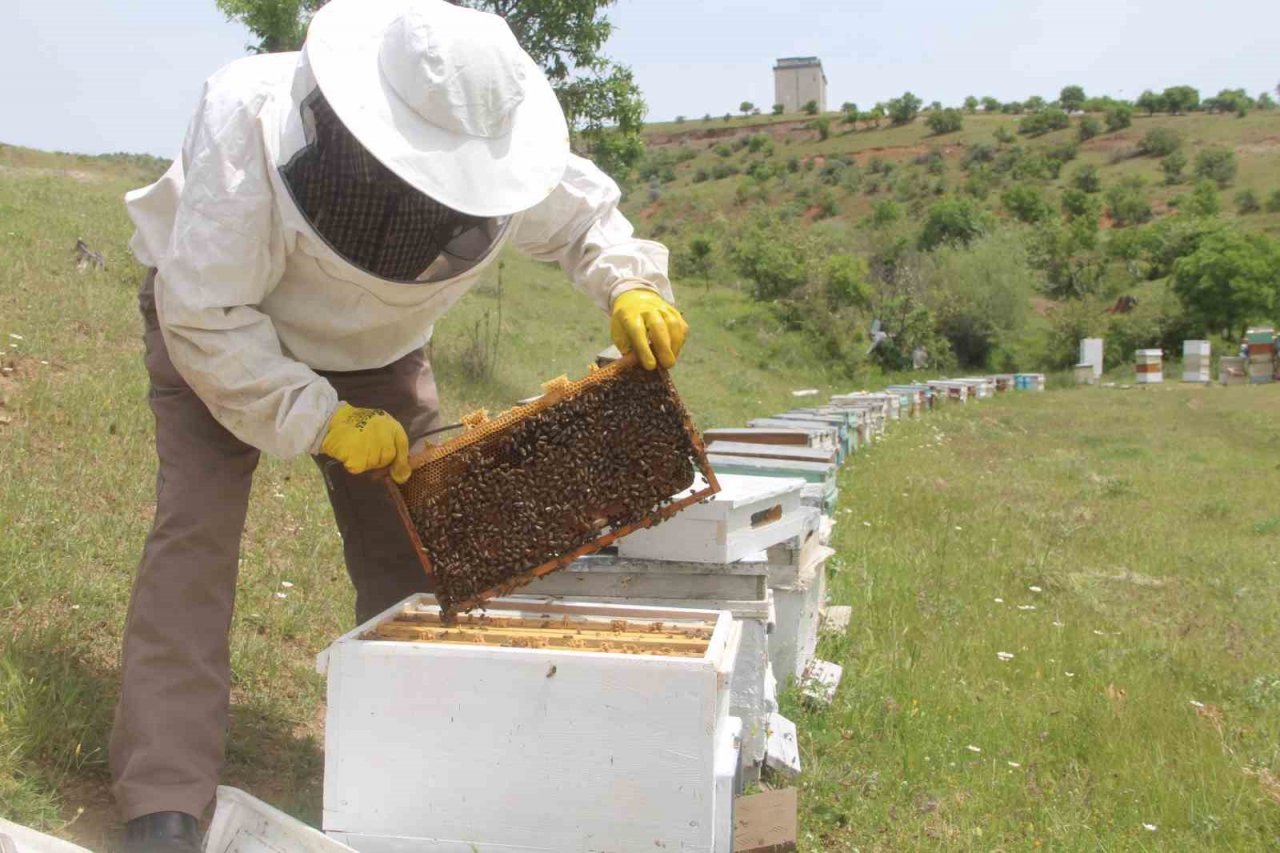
(1078, 204)
(1004, 135)
(811, 108)
(1273, 202)
(1119, 117)
(722, 150)
(823, 126)
(1216, 164)
(904, 110)
(1063, 152)
(1026, 204)
(772, 257)
(949, 120)
(885, 213)
(724, 170)
(701, 176)
(1086, 179)
(1160, 142)
(1247, 202)
(954, 221)
(1088, 128)
(977, 153)
(845, 278)
(759, 142)
(1044, 121)
(1173, 166)
(1127, 203)
(1203, 201)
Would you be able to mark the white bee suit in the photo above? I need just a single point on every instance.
(251, 301)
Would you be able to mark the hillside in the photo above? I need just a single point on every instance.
(989, 247)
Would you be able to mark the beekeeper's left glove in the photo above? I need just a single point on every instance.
(367, 439)
(644, 321)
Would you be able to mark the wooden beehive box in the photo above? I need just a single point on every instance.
(762, 435)
(526, 493)
(535, 727)
(749, 514)
(774, 451)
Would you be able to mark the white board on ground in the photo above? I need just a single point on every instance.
(21, 839)
(821, 681)
(245, 824)
(835, 620)
(782, 755)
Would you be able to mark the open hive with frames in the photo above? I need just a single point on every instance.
(527, 492)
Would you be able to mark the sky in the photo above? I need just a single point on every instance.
(98, 76)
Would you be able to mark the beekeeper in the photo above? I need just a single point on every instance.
(328, 207)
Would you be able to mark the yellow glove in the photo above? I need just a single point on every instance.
(366, 439)
(644, 321)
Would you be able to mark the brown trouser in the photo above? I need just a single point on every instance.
(170, 726)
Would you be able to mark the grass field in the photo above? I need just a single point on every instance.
(1065, 630)
(1145, 518)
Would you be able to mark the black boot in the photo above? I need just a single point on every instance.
(162, 832)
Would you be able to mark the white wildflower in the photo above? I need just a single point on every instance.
(287, 584)
(1149, 827)
(973, 748)
(1013, 764)
(1025, 607)
(1035, 589)
(1005, 655)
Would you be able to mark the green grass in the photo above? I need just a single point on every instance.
(1087, 494)
(1121, 546)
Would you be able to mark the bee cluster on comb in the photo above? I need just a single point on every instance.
(544, 484)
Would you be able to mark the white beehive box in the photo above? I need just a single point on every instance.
(1149, 366)
(748, 514)
(957, 391)
(798, 618)
(1196, 361)
(561, 739)
(825, 455)
(1091, 354)
(755, 619)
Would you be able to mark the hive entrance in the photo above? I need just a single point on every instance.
(530, 491)
(618, 636)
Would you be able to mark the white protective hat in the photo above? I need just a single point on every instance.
(443, 96)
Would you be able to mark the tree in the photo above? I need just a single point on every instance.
(777, 109)
(1119, 117)
(1265, 102)
(600, 98)
(811, 108)
(990, 105)
(1181, 99)
(1078, 203)
(1034, 103)
(1216, 164)
(904, 110)
(1151, 102)
(851, 114)
(949, 120)
(1089, 128)
(1072, 98)
(1027, 204)
(700, 249)
(745, 108)
(954, 221)
(1229, 281)
(823, 125)
(971, 104)
(876, 115)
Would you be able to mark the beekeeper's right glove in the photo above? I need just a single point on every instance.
(367, 439)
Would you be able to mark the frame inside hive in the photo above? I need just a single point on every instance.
(562, 632)
(523, 494)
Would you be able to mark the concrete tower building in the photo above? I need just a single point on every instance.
(797, 80)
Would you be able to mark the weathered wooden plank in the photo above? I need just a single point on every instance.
(765, 822)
